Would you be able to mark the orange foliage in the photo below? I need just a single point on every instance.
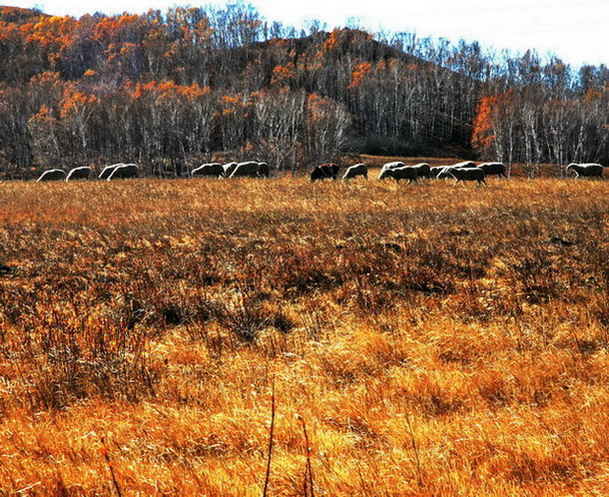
(359, 73)
(8, 31)
(47, 77)
(112, 27)
(14, 15)
(282, 74)
(169, 89)
(231, 99)
(44, 114)
(75, 101)
(46, 82)
(483, 135)
(50, 31)
(229, 104)
(332, 42)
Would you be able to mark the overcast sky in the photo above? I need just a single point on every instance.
(575, 30)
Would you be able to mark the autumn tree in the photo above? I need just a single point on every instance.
(278, 126)
(327, 126)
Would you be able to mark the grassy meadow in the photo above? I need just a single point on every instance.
(431, 340)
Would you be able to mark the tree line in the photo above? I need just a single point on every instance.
(169, 89)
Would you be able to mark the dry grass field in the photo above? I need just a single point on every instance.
(433, 340)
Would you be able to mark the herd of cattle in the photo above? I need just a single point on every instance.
(462, 171)
(250, 169)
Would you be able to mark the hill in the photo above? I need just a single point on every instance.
(19, 15)
(172, 89)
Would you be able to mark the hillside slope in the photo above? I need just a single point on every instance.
(174, 88)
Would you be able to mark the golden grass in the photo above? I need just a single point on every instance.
(435, 340)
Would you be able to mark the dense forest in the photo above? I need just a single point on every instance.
(171, 89)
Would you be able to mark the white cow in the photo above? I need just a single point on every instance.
(107, 171)
(212, 169)
(124, 171)
(82, 172)
(250, 169)
(52, 175)
(356, 170)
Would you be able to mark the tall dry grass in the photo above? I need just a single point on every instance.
(431, 340)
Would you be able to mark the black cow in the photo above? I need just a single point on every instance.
(325, 171)
(264, 171)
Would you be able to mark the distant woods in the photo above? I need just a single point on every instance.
(169, 90)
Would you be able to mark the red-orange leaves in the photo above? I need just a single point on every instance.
(283, 74)
(115, 28)
(332, 42)
(483, 134)
(169, 89)
(359, 73)
(44, 114)
(74, 102)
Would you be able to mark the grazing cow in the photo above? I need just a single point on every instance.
(248, 169)
(423, 169)
(52, 175)
(212, 169)
(494, 169)
(586, 170)
(264, 171)
(410, 173)
(325, 171)
(356, 170)
(107, 171)
(393, 165)
(442, 172)
(434, 172)
(124, 171)
(467, 163)
(390, 165)
(229, 168)
(82, 172)
(467, 174)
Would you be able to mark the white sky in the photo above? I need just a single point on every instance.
(575, 30)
